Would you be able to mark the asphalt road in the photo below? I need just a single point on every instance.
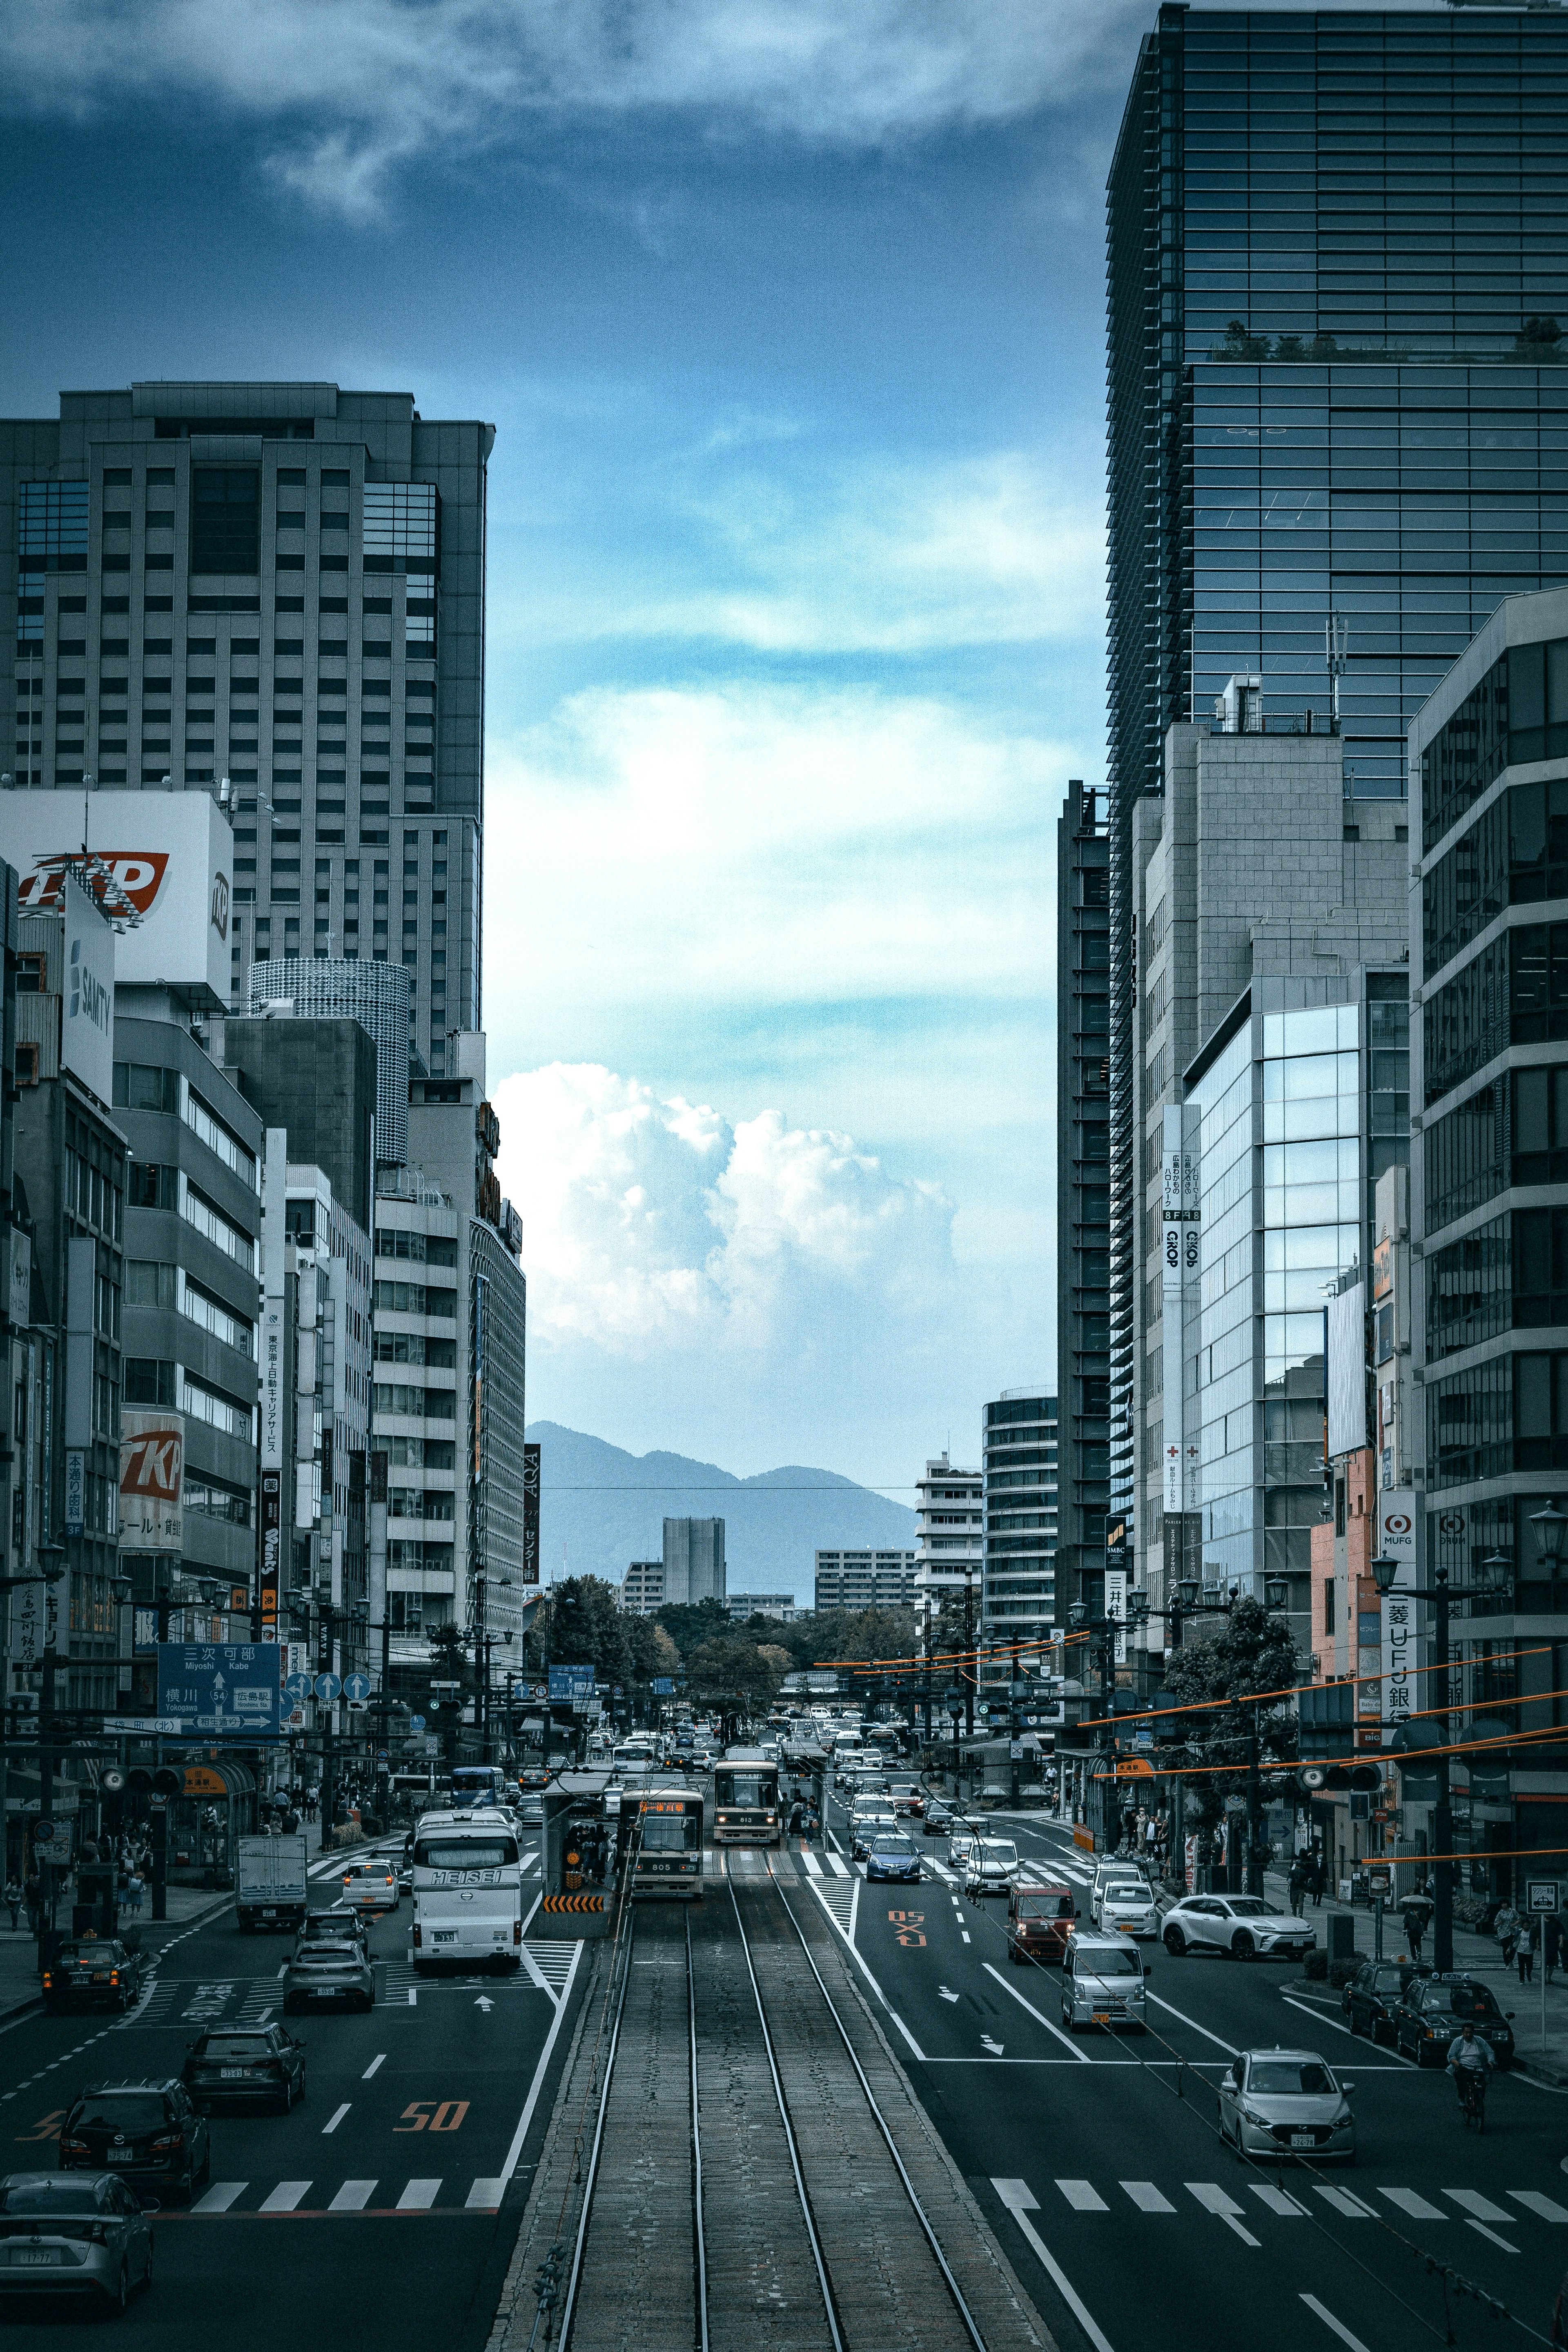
(1097, 2158)
(399, 2178)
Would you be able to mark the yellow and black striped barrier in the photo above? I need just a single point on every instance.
(573, 1903)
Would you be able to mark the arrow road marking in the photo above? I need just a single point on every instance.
(945, 1994)
(484, 2001)
(995, 2048)
(1021, 2201)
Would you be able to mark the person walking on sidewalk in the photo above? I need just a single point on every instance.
(1553, 1951)
(1508, 1925)
(1528, 1943)
(1416, 1913)
(13, 1900)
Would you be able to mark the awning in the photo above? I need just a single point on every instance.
(219, 1781)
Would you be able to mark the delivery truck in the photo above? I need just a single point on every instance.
(274, 1892)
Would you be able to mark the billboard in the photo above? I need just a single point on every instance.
(160, 863)
(151, 1481)
(531, 1515)
(86, 1014)
(1346, 1347)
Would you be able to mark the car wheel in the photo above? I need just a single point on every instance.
(1243, 1948)
(1176, 1943)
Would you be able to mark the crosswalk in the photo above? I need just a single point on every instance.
(316, 2199)
(1259, 2200)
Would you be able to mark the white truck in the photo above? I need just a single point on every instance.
(273, 1890)
(467, 1892)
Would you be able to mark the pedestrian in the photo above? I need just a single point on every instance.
(1508, 1925)
(133, 1893)
(1553, 1946)
(1301, 1879)
(1415, 1916)
(1528, 1945)
(14, 1899)
(1318, 1876)
(33, 1897)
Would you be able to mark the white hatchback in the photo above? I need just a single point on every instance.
(373, 1885)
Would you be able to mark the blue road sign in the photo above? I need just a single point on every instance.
(567, 1683)
(357, 1687)
(416, 1723)
(328, 1686)
(663, 1685)
(223, 1686)
(297, 1688)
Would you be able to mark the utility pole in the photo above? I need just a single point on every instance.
(970, 1664)
(1253, 1809)
(1014, 1726)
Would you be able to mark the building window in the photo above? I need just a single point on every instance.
(225, 519)
(146, 1381)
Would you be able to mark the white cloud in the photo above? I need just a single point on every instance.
(396, 79)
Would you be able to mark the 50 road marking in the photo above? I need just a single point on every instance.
(909, 1925)
(447, 2115)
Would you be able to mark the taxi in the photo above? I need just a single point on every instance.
(1435, 2008)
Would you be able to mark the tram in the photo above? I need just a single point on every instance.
(660, 1835)
(746, 1800)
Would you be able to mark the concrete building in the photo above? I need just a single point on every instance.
(300, 1066)
(1018, 1595)
(1487, 1434)
(761, 1604)
(642, 1587)
(693, 1561)
(1296, 291)
(281, 585)
(1083, 1195)
(1271, 1091)
(950, 1529)
(864, 1580)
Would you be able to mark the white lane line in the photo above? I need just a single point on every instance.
(1081, 2055)
(334, 2119)
(219, 2196)
(813, 1867)
(520, 2134)
(1147, 2197)
(485, 2195)
(1416, 2206)
(1213, 2199)
(413, 1996)
(848, 1937)
(1218, 2039)
(1338, 2326)
(1277, 2201)
(1369, 2067)
(419, 2196)
(1021, 2201)
(532, 1909)
(284, 2198)
(1083, 2197)
(1542, 2207)
(376, 2063)
(353, 2197)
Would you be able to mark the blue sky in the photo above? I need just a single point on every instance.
(789, 316)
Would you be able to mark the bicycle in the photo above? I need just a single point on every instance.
(1473, 2096)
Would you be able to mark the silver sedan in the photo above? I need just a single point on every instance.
(1286, 2102)
(76, 2233)
(339, 1973)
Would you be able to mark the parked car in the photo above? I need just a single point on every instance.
(144, 2130)
(1372, 1996)
(1431, 2009)
(371, 1885)
(1039, 1923)
(892, 1853)
(1102, 1983)
(93, 1972)
(339, 1973)
(1279, 2103)
(87, 2237)
(1241, 1925)
(249, 2065)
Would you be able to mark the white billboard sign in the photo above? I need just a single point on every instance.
(87, 1017)
(160, 863)
(1347, 1370)
(151, 1481)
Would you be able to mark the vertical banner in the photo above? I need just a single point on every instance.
(1180, 1256)
(271, 1551)
(151, 1481)
(1397, 1542)
(377, 1537)
(1116, 1608)
(76, 1488)
(531, 1515)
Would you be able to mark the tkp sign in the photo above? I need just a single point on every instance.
(151, 1481)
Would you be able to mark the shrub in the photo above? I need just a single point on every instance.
(1341, 1972)
(1316, 1966)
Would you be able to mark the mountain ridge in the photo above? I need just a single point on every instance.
(602, 1508)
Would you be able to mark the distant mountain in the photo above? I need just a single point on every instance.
(600, 1508)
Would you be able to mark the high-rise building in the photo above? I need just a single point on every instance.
(331, 990)
(281, 586)
(642, 1587)
(864, 1580)
(694, 1567)
(761, 1604)
(1019, 1599)
(1335, 387)
(950, 1527)
(1083, 1188)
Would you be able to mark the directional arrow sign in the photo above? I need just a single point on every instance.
(994, 2047)
(297, 1688)
(945, 1994)
(416, 1723)
(483, 2003)
(356, 1687)
(328, 1686)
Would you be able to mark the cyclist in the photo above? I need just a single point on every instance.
(1470, 2060)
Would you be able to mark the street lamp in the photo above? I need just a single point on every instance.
(1551, 1527)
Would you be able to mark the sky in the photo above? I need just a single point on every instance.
(789, 317)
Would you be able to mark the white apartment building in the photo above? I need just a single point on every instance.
(950, 1527)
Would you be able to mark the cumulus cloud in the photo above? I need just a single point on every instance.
(353, 87)
(653, 1227)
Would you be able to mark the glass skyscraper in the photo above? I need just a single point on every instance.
(1338, 290)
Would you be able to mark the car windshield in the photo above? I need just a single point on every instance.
(49, 2196)
(1118, 1963)
(1138, 1895)
(1246, 1906)
(93, 1955)
(1462, 2000)
(1291, 2078)
(997, 1849)
(1044, 1906)
(234, 2045)
(120, 2111)
(893, 1845)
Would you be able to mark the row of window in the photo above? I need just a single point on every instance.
(1515, 855)
(151, 1381)
(1519, 712)
(1515, 992)
(1509, 1414)
(1514, 1131)
(1510, 1273)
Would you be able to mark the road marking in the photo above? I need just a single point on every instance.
(1213, 2199)
(485, 2195)
(813, 1867)
(1343, 2202)
(1219, 2041)
(837, 1865)
(220, 2196)
(1338, 2326)
(413, 1996)
(1083, 2197)
(1416, 2206)
(1147, 2197)
(849, 1936)
(284, 2198)
(1470, 2201)
(1020, 2202)
(418, 2196)
(1276, 2200)
(964, 1933)
(1371, 2066)
(1055, 2031)
(334, 2121)
(1534, 2202)
(945, 1994)
(379, 2061)
(353, 2197)
(520, 2134)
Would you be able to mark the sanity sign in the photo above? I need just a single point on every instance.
(151, 1481)
(160, 866)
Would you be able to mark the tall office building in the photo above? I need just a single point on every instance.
(950, 1525)
(1083, 1194)
(1338, 273)
(1019, 1599)
(281, 585)
(864, 1580)
(694, 1568)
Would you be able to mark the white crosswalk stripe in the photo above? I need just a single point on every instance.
(484, 2194)
(1418, 2207)
(1343, 2202)
(1277, 2201)
(284, 2198)
(813, 1867)
(1542, 2207)
(1147, 2197)
(220, 2196)
(1089, 2199)
(353, 2197)
(837, 1865)
(1083, 2196)
(1470, 2201)
(418, 2196)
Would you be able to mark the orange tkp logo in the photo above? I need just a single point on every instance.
(138, 872)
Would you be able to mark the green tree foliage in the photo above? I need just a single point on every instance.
(653, 1652)
(733, 1679)
(1253, 1652)
(585, 1628)
(690, 1624)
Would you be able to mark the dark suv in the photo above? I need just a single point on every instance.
(1435, 2008)
(147, 2133)
(1372, 1995)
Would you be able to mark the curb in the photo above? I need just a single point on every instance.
(24, 2008)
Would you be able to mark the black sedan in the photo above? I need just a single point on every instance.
(938, 1819)
(93, 1972)
(1435, 2008)
(1372, 1995)
(146, 2132)
(255, 2065)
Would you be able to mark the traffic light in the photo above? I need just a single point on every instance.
(1326, 1721)
(1329, 1780)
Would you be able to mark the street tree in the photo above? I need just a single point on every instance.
(1253, 1652)
(733, 1679)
